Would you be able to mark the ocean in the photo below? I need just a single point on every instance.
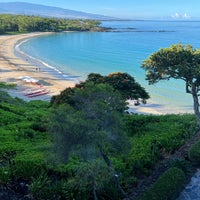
(76, 54)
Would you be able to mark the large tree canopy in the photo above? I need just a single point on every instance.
(178, 62)
(123, 83)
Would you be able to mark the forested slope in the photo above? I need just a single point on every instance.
(22, 23)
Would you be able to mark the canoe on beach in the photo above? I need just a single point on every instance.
(39, 93)
(34, 92)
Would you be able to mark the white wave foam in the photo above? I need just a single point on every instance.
(42, 63)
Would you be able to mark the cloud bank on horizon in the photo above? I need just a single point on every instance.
(181, 16)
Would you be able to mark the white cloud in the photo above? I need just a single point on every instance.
(186, 16)
(176, 16)
(181, 16)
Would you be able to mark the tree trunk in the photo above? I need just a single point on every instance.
(196, 107)
(105, 157)
(107, 161)
(94, 193)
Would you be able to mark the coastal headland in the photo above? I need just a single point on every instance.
(13, 68)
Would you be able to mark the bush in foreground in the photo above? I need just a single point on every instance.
(194, 153)
(168, 186)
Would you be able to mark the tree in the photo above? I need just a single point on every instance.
(178, 62)
(92, 127)
(90, 178)
(123, 83)
(24, 23)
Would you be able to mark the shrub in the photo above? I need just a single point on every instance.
(39, 185)
(7, 117)
(7, 85)
(27, 169)
(38, 126)
(181, 164)
(7, 153)
(194, 153)
(43, 187)
(5, 176)
(168, 186)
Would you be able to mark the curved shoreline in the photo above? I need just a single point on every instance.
(43, 66)
(13, 66)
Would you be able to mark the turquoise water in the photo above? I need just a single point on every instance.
(124, 49)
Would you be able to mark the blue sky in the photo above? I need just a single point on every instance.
(135, 9)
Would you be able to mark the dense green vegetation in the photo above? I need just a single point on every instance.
(23, 24)
(89, 149)
(194, 153)
(167, 186)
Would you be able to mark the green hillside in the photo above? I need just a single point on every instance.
(51, 151)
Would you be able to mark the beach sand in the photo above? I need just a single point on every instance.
(13, 67)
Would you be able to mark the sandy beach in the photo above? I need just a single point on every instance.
(13, 68)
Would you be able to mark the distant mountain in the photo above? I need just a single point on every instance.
(23, 8)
